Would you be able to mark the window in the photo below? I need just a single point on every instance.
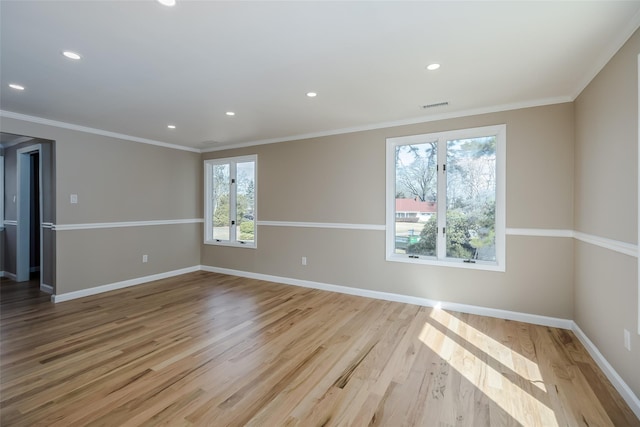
(230, 201)
(446, 198)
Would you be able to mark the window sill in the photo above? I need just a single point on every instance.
(231, 244)
(478, 265)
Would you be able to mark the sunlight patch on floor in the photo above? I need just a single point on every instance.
(525, 367)
(494, 383)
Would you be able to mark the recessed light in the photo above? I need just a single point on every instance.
(171, 126)
(16, 86)
(312, 94)
(71, 55)
(167, 2)
(432, 67)
(230, 113)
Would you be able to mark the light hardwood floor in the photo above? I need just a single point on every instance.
(215, 350)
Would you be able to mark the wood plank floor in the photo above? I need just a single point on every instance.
(215, 350)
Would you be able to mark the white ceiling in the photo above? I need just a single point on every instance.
(145, 66)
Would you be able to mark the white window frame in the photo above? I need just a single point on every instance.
(208, 208)
(500, 131)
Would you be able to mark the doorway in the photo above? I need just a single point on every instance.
(29, 212)
(28, 237)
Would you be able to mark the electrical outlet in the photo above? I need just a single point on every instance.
(145, 258)
(304, 260)
(73, 199)
(627, 340)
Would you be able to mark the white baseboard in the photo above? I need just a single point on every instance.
(617, 381)
(119, 285)
(627, 394)
(388, 296)
(9, 275)
(46, 288)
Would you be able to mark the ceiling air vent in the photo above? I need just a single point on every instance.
(437, 104)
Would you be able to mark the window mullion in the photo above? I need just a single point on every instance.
(442, 199)
(233, 217)
(208, 204)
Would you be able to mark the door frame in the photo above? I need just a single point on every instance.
(23, 211)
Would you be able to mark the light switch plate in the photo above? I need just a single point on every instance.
(627, 340)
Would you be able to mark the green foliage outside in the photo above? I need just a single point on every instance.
(246, 230)
(221, 216)
(467, 233)
(221, 212)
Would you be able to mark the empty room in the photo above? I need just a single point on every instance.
(319, 213)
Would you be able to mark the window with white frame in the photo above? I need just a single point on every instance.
(446, 198)
(230, 201)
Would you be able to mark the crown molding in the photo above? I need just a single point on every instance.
(395, 123)
(341, 131)
(101, 132)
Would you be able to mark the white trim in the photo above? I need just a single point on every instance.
(611, 374)
(387, 296)
(345, 226)
(9, 275)
(97, 225)
(46, 288)
(447, 262)
(603, 242)
(617, 381)
(412, 121)
(627, 394)
(614, 245)
(10, 222)
(16, 141)
(540, 232)
(101, 132)
(119, 285)
(605, 58)
(341, 131)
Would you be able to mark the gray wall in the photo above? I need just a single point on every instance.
(118, 181)
(606, 205)
(2, 233)
(341, 179)
(2, 250)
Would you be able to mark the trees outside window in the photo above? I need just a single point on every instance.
(461, 173)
